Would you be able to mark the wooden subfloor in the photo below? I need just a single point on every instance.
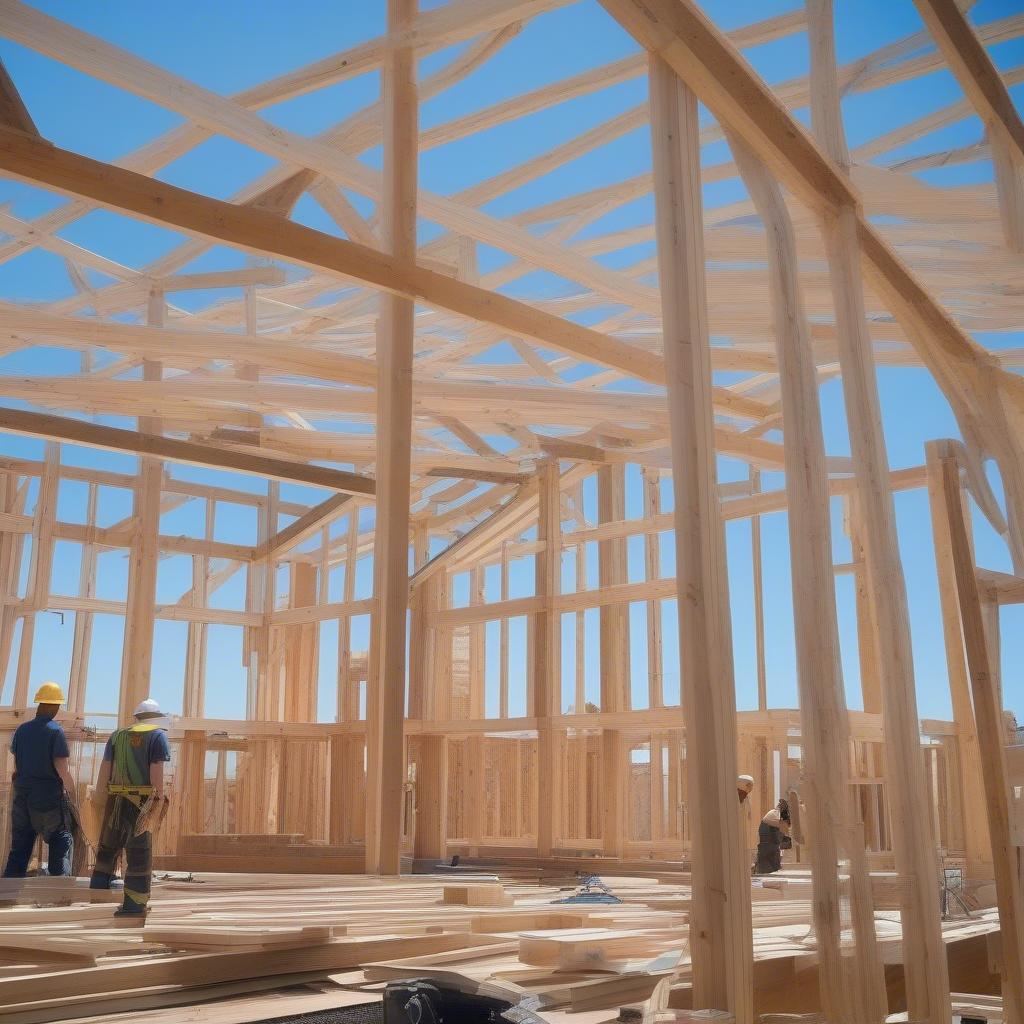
(227, 949)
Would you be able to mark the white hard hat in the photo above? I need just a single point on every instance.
(746, 778)
(147, 707)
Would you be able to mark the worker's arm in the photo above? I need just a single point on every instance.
(61, 766)
(99, 793)
(156, 779)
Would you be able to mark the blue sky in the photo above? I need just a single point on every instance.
(231, 45)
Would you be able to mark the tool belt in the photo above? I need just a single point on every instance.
(144, 791)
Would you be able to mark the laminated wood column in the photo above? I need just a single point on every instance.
(991, 735)
(977, 843)
(40, 566)
(385, 704)
(140, 610)
(720, 924)
(853, 990)
(925, 967)
(547, 635)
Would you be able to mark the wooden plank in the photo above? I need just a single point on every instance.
(991, 739)
(13, 111)
(303, 528)
(977, 843)
(720, 926)
(117, 439)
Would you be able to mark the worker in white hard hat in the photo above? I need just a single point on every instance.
(131, 784)
(44, 793)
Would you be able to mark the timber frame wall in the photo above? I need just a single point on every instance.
(839, 260)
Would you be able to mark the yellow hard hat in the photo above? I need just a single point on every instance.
(49, 693)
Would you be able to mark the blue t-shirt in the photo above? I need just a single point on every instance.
(140, 746)
(35, 744)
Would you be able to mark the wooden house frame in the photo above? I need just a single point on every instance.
(839, 260)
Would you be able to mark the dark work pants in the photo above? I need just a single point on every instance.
(120, 816)
(769, 850)
(39, 813)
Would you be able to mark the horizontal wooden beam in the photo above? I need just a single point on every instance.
(134, 442)
(266, 233)
(304, 527)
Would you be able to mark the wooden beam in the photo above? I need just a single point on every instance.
(385, 695)
(262, 232)
(13, 111)
(139, 617)
(488, 530)
(977, 843)
(720, 922)
(984, 87)
(117, 439)
(543, 694)
(283, 354)
(303, 528)
(852, 989)
(925, 967)
(991, 736)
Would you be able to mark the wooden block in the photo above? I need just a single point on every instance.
(480, 894)
(588, 947)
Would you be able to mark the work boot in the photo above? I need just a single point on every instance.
(131, 909)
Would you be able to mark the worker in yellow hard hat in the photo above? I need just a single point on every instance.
(44, 792)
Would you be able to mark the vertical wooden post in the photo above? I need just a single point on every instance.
(758, 584)
(195, 645)
(431, 797)
(140, 612)
(419, 663)
(348, 697)
(12, 550)
(385, 705)
(547, 635)
(652, 561)
(611, 554)
(612, 570)
(720, 923)
(977, 843)
(40, 566)
(854, 991)
(925, 967)
(261, 597)
(83, 620)
(867, 630)
(503, 666)
(991, 735)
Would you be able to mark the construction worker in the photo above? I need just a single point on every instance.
(44, 793)
(131, 782)
(774, 827)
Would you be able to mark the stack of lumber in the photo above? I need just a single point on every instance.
(268, 945)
